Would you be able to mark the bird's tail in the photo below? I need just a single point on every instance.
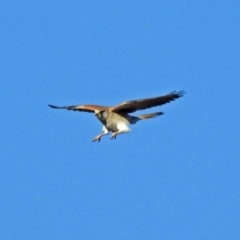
(150, 115)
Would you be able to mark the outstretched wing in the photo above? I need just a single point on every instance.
(132, 106)
(81, 108)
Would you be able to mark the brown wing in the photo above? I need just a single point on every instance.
(81, 108)
(132, 106)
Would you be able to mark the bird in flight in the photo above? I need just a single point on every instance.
(117, 119)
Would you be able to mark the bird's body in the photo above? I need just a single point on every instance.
(117, 119)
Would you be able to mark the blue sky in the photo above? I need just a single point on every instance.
(173, 177)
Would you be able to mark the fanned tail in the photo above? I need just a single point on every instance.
(150, 115)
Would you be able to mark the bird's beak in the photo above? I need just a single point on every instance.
(96, 112)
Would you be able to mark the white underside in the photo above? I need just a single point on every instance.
(104, 129)
(123, 127)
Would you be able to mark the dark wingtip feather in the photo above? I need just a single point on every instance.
(52, 106)
(180, 93)
(176, 94)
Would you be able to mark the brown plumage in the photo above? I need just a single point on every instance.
(117, 119)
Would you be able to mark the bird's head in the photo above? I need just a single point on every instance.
(101, 115)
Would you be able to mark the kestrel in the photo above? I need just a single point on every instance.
(117, 119)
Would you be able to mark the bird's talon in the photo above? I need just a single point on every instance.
(96, 139)
(113, 136)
